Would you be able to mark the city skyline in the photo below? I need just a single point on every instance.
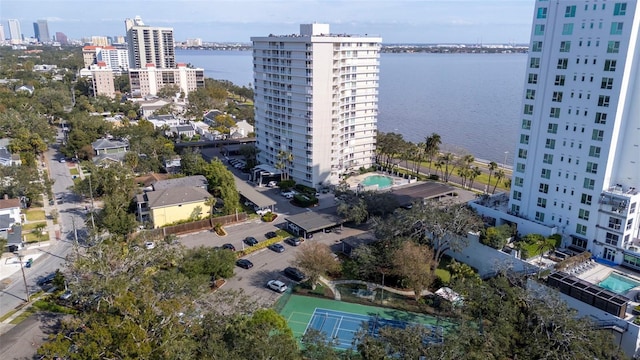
(418, 21)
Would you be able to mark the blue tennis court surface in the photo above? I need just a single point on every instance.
(343, 326)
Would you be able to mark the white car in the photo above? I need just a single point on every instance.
(62, 160)
(149, 245)
(277, 285)
(262, 212)
(272, 184)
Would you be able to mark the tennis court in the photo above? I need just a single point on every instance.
(341, 321)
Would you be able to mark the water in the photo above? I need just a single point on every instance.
(380, 180)
(473, 101)
(618, 284)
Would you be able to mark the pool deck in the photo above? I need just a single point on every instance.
(354, 181)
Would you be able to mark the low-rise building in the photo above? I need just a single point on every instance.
(149, 80)
(109, 150)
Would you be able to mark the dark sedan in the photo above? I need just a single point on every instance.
(270, 235)
(229, 247)
(251, 241)
(244, 263)
(277, 247)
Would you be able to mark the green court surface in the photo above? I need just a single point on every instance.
(299, 310)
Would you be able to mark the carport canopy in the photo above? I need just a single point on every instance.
(312, 221)
(246, 190)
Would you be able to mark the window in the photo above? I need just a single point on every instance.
(531, 94)
(520, 167)
(597, 135)
(592, 167)
(534, 63)
(541, 13)
(524, 139)
(545, 173)
(620, 9)
(607, 83)
(517, 195)
(603, 100)
(532, 79)
(528, 109)
(583, 214)
(589, 183)
(539, 29)
(601, 118)
(550, 144)
(552, 128)
(557, 96)
(559, 80)
(565, 46)
(586, 199)
(526, 124)
(515, 209)
(542, 202)
(609, 65)
(547, 159)
(581, 243)
(611, 239)
(536, 46)
(522, 153)
(567, 29)
(614, 223)
(539, 216)
(594, 151)
(518, 181)
(562, 63)
(616, 28)
(570, 11)
(613, 47)
(629, 224)
(581, 229)
(544, 188)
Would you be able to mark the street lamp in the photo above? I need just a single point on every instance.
(504, 164)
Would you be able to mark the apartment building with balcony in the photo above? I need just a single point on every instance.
(316, 102)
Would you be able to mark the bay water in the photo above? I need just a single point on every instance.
(473, 101)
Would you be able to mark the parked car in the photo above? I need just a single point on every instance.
(47, 280)
(262, 212)
(277, 285)
(229, 247)
(66, 295)
(251, 241)
(270, 235)
(293, 241)
(288, 194)
(272, 183)
(294, 274)
(149, 245)
(277, 247)
(244, 263)
(62, 160)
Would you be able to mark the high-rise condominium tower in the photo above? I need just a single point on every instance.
(316, 102)
(149, 45)
(41, 31)
(577, 163)
(15, 34)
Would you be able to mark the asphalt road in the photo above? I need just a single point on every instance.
(54, 256)
(24, 339)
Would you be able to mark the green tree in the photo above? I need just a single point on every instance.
(499, 175)
(415, 265)
(210, 262)
(432, 147)
(492, 167)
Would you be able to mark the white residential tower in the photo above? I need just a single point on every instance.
(316, 102)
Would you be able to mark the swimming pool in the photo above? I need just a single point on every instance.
(380, 180)
(619, 284)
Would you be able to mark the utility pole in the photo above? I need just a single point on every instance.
(93, 224)
(24, 278)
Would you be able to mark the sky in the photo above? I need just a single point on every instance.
(396, 21)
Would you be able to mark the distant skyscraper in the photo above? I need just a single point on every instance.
(2, 38)
(15, 34)
(149, 45)
(316, 102)
(41, 31)
(62, 38)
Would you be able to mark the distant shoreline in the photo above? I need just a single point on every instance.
(395, 48)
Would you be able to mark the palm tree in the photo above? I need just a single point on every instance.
(432, 146)
(473, 174)
(211, 202)
(285, 158)
(447, 159)
(492, 167)
(499, 175)
(419, 154)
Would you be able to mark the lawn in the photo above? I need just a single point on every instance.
(35, 215)
(33, 237)
(30, 226)
(74, 171)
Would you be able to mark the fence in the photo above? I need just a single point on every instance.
(195, 225)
